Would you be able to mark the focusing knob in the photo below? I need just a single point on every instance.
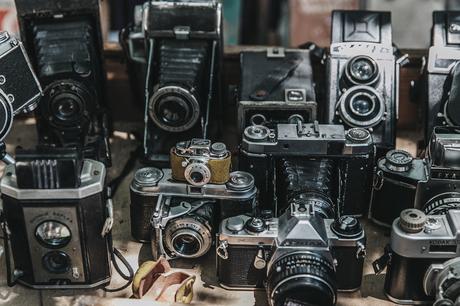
(255, 225)
(148, 176)
(412, 220)
(235, 224)
(347, 226)
(358, 135)
(398, 160)
(240, 181)
(218, 148)
(257, 133)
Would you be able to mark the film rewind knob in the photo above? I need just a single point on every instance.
(412, 220)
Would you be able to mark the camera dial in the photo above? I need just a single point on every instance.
(148, 176)
(197, 173)
(240, 181)
(235, 224)
(255, 225)
(347, 227)
(257, 133)
(361, 106)
(362, 70)
(174, 109)
(53, 234)
(412, 220)
(358, 135)
(398, 160)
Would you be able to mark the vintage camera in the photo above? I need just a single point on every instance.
(430, 184)
(19, 87)
(302, 257)
(200, 162)
(321, 154)
(276, 87)
(183, 52)
(179, 218)
(363, 75)
(64, 42)
(420, 249)
(442, 73)
(55, 210)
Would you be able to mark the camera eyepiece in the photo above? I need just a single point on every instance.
(361, 106)
(174, 109)
(304, 277)
(362, 70)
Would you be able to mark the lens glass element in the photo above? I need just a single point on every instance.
(186, 244)
(362, 105)
(362, 69)
(53, 234)
(56, 262)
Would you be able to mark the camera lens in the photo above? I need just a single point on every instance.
(361, 106)
(302, 277)
(188, 237)
(197, 174)
(362, 70)
(56, 262)
(174, 109)
(53, 234)
(67, 107)
(442, 203)
(6, 116)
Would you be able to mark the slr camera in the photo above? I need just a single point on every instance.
(64, 42)
(55, 209)
(303, 257)
(442, 73)
(180, 219)
(19, 87)
(276, 87)
(322, 157)
(423, 250)
(363, 75)
(430, 184)
(183, 51)
(200, 162)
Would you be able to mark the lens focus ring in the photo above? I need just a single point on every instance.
(197, 174)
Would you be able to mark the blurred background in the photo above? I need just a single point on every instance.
(282, 22)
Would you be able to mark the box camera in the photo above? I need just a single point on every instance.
(303, 256)
(19, 87)
(430, 184)
(363, 75)
(200, 162)
(442, 73)
(420, 248)
(276, 87)
(183, 49)
(64, 42)
(180, 219)
(55, 209)
(322, 157)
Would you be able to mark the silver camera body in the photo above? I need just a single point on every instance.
(182, 217)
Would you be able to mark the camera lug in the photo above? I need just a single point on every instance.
(221, 250)
(275, 52)
(361, 252)
(259, 261)
(109, 220)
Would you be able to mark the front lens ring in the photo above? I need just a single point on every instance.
(197, 174)
(187, 243)
(185, 98)
(50, 227)
(56, 262)
(362, 121)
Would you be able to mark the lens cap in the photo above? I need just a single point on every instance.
(240, 181)
(148, 176)
(398, 160)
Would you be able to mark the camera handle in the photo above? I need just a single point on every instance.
(4, 156)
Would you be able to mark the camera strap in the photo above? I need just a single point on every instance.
(10, 269)
(281, 72)
(382, 262)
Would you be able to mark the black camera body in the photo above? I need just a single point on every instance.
(293, 256)
(341, 160)
(19, 86)
(276, 86)
(430, 184)
(55, 209)
(363, 75)
(179, 218)
(420, 245)
(183, 53)
(64, 42)
(442, 73)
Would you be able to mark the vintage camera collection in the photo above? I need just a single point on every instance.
(281, 212)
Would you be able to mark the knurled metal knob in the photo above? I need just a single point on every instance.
(398, 160)
(412, 220)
